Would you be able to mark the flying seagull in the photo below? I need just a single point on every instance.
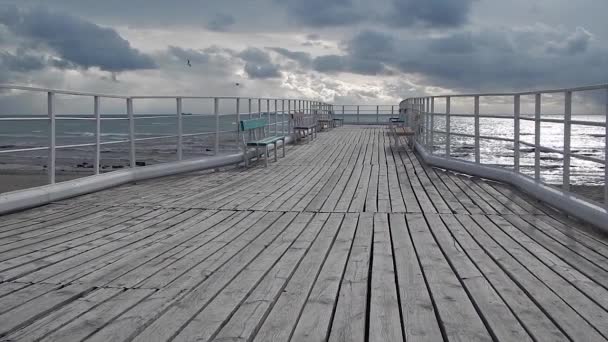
(190, 65)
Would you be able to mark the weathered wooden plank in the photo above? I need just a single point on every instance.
(38, 307)
(49, 254)
(451, 300)
(88, 323)
(351, 311)
(62, 316)
(282, 319)
(246, 321)
(180, 313)
(502, 323)
(136, 234)
(220, 266)
(265, 282)
(316, 316)
(537, 323)
(23, 295)
(384, 316)
(569, 320)
(419, 319)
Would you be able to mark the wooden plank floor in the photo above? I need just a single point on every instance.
(348, 238)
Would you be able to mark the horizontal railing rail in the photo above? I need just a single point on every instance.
(221, 128)
(550, 117)
(365, 114)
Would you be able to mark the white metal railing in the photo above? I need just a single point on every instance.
(277, 110)
(436, 134)
(369, 114)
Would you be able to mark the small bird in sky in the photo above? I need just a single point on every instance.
(190, 65)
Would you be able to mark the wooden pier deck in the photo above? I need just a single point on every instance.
(345, 239)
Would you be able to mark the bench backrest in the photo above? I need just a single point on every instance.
(253, 129)
(324, 115)
(301, 119)
(251, 124)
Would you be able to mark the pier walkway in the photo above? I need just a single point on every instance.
(347, 238)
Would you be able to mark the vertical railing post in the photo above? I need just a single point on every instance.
(52, 137)
(276, 117)
(427, 122)
(289, 128)
(268, 116)
(377, 114)
(477, 131)
(357, 114)
(131, 132)
(448, 137)
(537, 109)
(259, 108)
(250, 108)
(516, 122)
(421, 127)
(238, 123)
(432, 133)
(283, 117)
(567, 139)
(343, 114)
(606, 154)
(180, 130)
(97, 134)
(216, 112)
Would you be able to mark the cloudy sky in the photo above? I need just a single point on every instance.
(344, 51)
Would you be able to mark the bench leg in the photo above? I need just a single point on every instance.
(266, 156)
(245, 156)
(275, 151)
(283, 148)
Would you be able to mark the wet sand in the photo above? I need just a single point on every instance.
(19, 181)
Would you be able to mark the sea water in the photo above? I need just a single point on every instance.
(586, 141)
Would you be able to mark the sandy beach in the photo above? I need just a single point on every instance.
(24, 180)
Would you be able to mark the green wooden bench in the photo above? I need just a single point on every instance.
(255, 133)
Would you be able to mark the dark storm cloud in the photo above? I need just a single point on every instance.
(323, 13)
(301, 57)
(466, 60)
(347, 63)
(21, 61)
(330, 64)
(258, 64)
(365, 55)
(432, 13)
(576, 43)
(75, 40)
(221, 22)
